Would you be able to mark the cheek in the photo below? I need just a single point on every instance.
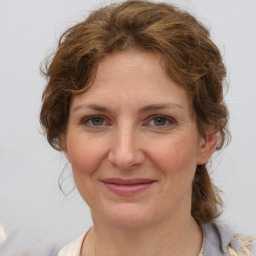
(175, 156)
(84, 155)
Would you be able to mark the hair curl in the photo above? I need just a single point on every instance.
(188, 55)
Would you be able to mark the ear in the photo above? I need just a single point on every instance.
(63, 145)
(207, 146)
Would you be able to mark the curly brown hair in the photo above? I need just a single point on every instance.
(189, 57)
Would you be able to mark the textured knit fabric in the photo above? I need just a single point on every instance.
(221, 241)
(245, 247)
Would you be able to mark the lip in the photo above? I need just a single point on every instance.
(127, 187)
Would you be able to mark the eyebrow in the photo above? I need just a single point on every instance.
(160, 106)
(146, 108)
(92, 106)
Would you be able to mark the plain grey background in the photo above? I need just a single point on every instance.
(29, 195)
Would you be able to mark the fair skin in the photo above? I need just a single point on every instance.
(136, 123)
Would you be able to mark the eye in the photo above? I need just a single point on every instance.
(94, 121)
(160, 121)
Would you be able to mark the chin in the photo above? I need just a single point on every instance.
(129, 216)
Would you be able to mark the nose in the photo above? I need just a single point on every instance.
(125, 152)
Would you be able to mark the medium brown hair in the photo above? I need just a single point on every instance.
(189, 57)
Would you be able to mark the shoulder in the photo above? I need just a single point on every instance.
(222, 240)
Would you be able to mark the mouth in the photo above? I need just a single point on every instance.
(127, 187)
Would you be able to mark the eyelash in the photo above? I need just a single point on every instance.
(88, 119)
(169, 120)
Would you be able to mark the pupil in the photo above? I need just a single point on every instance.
(160, 121)
(97, 121)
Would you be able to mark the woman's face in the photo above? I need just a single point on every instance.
(133, 144)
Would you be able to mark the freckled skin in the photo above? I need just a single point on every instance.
(130, 145)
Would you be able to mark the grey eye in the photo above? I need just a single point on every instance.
(97, 121)
(160, 120)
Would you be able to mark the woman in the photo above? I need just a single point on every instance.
(135, 101)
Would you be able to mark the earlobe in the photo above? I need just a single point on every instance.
(207, 148)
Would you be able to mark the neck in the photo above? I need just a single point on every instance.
(176, 238)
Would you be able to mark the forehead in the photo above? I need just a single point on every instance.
(133, 78)
(134, 65)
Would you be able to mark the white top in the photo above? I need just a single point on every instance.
(74, 248)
